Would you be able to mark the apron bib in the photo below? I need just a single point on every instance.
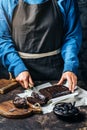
(38, 29)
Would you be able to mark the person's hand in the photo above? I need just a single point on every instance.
(71, 78)
(25, 79)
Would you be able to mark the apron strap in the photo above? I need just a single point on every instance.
(20, 1)
(41, 55)
(55, 3)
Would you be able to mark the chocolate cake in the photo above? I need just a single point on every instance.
(20, 102)
(37, 98)
(33, 100)
(54, 91)
(42, 97)
(48, 93)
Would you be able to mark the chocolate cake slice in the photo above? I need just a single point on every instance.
(33, 101)
(20, 102)
(48, 93)
(54, 91)
(37, 98)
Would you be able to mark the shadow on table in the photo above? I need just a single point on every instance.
(74, 119)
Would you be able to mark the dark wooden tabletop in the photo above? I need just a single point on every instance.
(43, 122)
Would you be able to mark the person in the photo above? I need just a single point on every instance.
(40, 40)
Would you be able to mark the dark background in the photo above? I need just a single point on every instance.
(82, 73)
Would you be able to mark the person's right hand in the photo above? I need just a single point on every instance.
(24, 78)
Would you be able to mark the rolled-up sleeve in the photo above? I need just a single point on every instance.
(72, 38)
(8, 55)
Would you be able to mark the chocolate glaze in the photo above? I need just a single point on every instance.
(54, 91)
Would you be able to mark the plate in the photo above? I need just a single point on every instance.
(65, 110)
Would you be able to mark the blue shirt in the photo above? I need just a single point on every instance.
(71, 42)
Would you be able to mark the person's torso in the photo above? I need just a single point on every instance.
(37, 28)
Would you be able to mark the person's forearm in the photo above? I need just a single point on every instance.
(72, 39)
(9, 56)
(70, 56)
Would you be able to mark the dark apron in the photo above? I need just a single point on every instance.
(38, 28)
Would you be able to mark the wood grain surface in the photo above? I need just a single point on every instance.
(7, 85)
(7, 109)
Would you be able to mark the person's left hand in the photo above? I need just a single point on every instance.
(71, 78)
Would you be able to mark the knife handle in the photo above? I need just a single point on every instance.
(35, 109)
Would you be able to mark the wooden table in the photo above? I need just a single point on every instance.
(42, 122)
